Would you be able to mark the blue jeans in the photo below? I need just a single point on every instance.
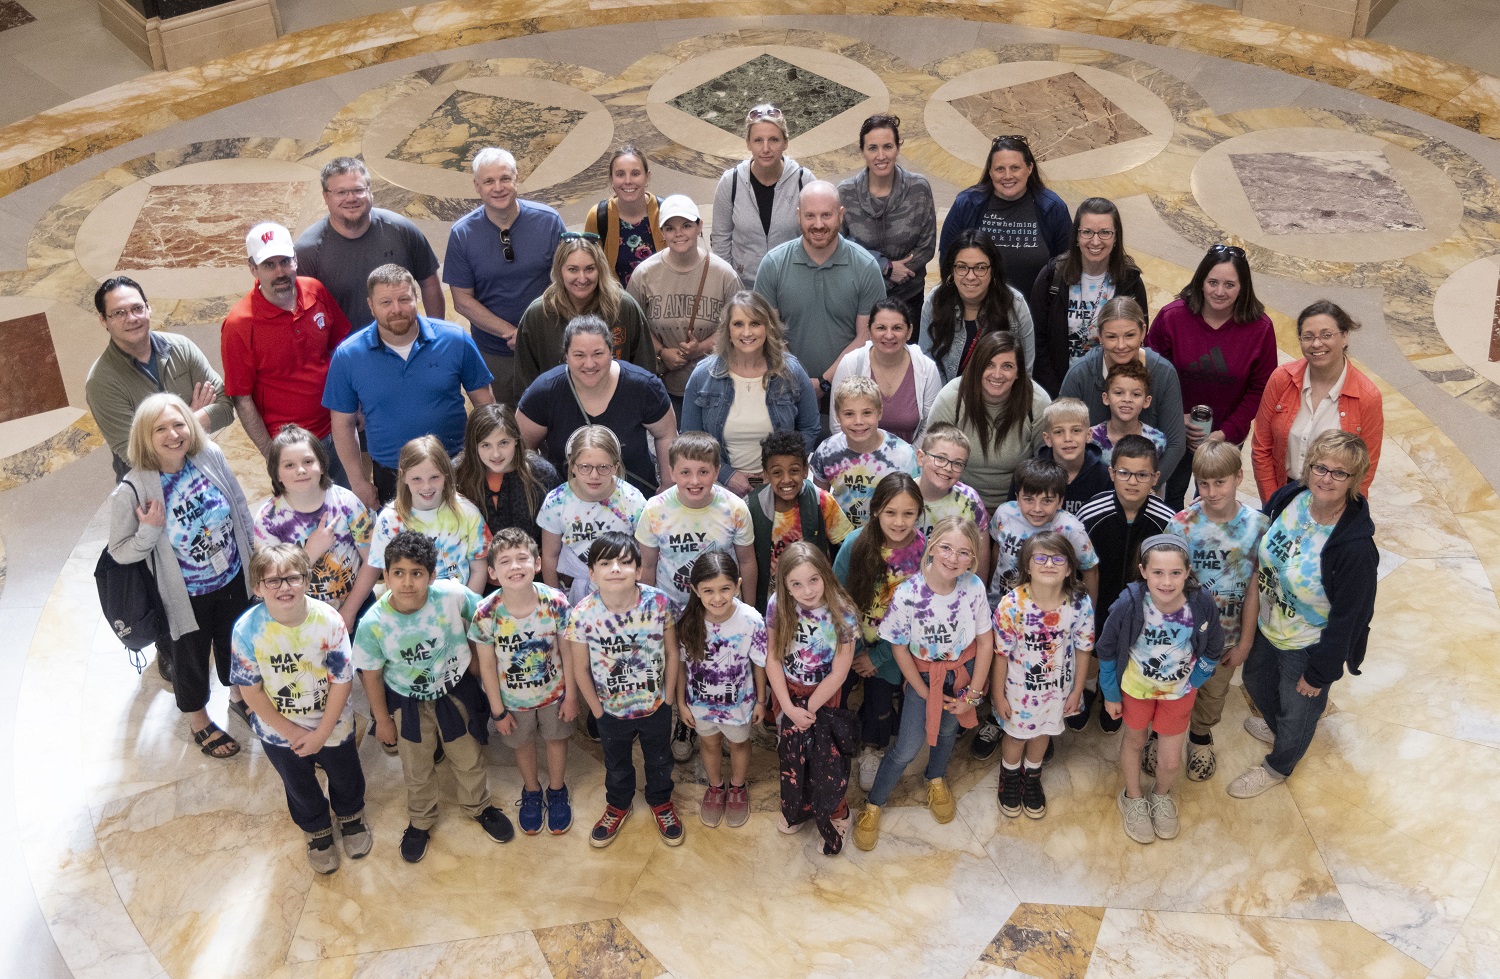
(335, 464)
(617, 735)
(909, 740)
(1270, 677)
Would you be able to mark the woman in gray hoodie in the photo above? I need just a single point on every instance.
(755, 206)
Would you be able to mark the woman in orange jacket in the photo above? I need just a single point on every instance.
(1306, 397)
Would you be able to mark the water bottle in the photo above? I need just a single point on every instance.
(1202, 419)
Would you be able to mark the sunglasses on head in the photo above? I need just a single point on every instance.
(1234, 250)
(1014, 136)
(579, 236)
(763, 112)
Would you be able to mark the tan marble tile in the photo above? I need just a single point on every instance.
(1483, 530)
(69, 445)
(1046, 940)
(1457, 481)
(1154, 943)
(604, 948)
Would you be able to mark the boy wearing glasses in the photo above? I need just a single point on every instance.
(1117, 520)
(290, 657)
(942, 455)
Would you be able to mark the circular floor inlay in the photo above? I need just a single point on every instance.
(1467, 312)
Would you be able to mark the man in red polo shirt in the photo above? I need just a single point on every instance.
(276, 343)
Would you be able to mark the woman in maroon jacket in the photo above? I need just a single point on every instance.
(1218, 336)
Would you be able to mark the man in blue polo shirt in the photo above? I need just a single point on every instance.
(408, 375)
(499, 259)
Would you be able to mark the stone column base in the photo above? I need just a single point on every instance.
(190, 39)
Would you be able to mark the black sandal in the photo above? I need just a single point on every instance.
(213, 742)
(241, 710)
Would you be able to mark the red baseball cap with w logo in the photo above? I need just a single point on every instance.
(268, 239)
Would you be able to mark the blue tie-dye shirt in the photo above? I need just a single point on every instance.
(200, 525)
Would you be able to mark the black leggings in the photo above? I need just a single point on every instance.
(216, 613)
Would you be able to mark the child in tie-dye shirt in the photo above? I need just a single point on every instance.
(593, 501)
(723, 690)
(941, 457)
(291, 660)
(850, 462)
(521, 666)
(625, 663)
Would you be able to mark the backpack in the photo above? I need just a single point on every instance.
(762, 504)
(130, 602)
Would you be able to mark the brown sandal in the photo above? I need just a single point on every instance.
(214, 743)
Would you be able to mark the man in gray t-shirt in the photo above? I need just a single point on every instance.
(355, 238)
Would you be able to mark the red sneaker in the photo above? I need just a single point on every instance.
(711, 811)
(737, 809)
(608, 827)
(667, 823)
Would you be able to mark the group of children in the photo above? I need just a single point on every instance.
(709, 615)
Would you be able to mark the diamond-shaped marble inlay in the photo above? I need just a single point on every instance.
(604, 947)
(1325, 192)
(12, 14)
(1059, 115)
(32, 381)
(467, 122)
(806, 98)
(182, 226)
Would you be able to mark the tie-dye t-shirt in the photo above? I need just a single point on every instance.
(1042, 648)
(627, 651)
(681, 533)
(1010, 530)
(1099, 435)
(1161, 659)
(720, 687)
(349, 520)
(424, 654)
(809, 657)
(459, 533)
(528, 655)
(578, 521)
(900, 564)
(937, 627)
(1293, 605)
(294, 666)
(786, 525)
(961, 501)
(200, 525)
(851, 476)
(1223, 557)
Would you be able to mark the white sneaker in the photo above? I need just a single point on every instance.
(1255, 781)
(869, 764)
(1164, 817)
(1259, 729)
(1137, 813)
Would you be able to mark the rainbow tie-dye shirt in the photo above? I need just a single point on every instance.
(294, 666)
(528, 656)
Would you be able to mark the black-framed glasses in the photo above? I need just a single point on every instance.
(293, 580)
(579, 236)
(1106, 234)
(510, 252)
(1337, 475)
(1222, 249)
(945, 463)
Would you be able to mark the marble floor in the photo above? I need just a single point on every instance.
(1353, 171)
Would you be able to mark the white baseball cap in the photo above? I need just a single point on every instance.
(267, 239)
(677, 206)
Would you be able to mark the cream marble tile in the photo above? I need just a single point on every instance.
(1482, 527)
(1411, 516)
(926, 900)
(514, 956)
(1457, 481)
(1474, 952)
(1153, 943)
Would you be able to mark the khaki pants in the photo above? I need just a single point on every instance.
(465, 759)
(1210, 704)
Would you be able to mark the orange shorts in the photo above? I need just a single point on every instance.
(1165, 717)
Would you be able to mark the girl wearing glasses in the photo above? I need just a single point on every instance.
(1073, 286)
(1218, 336)
(583, 284)
(628, 219)
(1044, 632)
(755, 205)
(972, 299)
(1317, 596)
(1009, 202)
(1320, 392)
(593, 500)
(940, 633)
(889, 210)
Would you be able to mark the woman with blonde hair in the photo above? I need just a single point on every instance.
(749, 387)
(181, 510)
(755, 205)
(583, 284)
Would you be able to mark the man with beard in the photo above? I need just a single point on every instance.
(408, 375)
(276, 343)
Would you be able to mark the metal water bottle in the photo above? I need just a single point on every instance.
(1202, 418)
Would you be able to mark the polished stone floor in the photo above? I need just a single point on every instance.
(1348, 171)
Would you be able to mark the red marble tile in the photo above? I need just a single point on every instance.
(30, 380)
(188, 226)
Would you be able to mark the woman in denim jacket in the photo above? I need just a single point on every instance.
(750, 358)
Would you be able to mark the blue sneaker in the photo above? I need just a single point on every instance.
(559, 812)
(529, 815)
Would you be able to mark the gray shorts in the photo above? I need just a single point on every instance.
(734, 733)
(540, 719)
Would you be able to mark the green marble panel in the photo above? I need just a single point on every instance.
(806, 98)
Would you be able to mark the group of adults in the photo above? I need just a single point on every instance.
(634, 325)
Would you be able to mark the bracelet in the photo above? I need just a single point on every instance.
(504, 713)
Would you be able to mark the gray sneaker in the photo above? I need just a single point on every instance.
(1164, 817)
(321, 853)
(356, 836)
(1255, 781)
(1259, 729)
(1137, 813)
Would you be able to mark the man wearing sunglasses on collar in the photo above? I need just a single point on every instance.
(499, 259)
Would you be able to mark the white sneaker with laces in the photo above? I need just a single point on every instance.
(1255, 781)
(1137, 813)
(869, 764)
(1164, 817)
(1259, 729)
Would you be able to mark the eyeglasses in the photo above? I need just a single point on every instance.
(127, 312)
(948, 550)
(1088, 234)
(964, 271)
(1133, 477)
(579, 236)
(1311, 337)
(943, 462)
(1042, 560)
(1338, 475)
(763, 112)
(603, 468)
(346, 194)
(1234, 250)
(510, 253)
(292, 580)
